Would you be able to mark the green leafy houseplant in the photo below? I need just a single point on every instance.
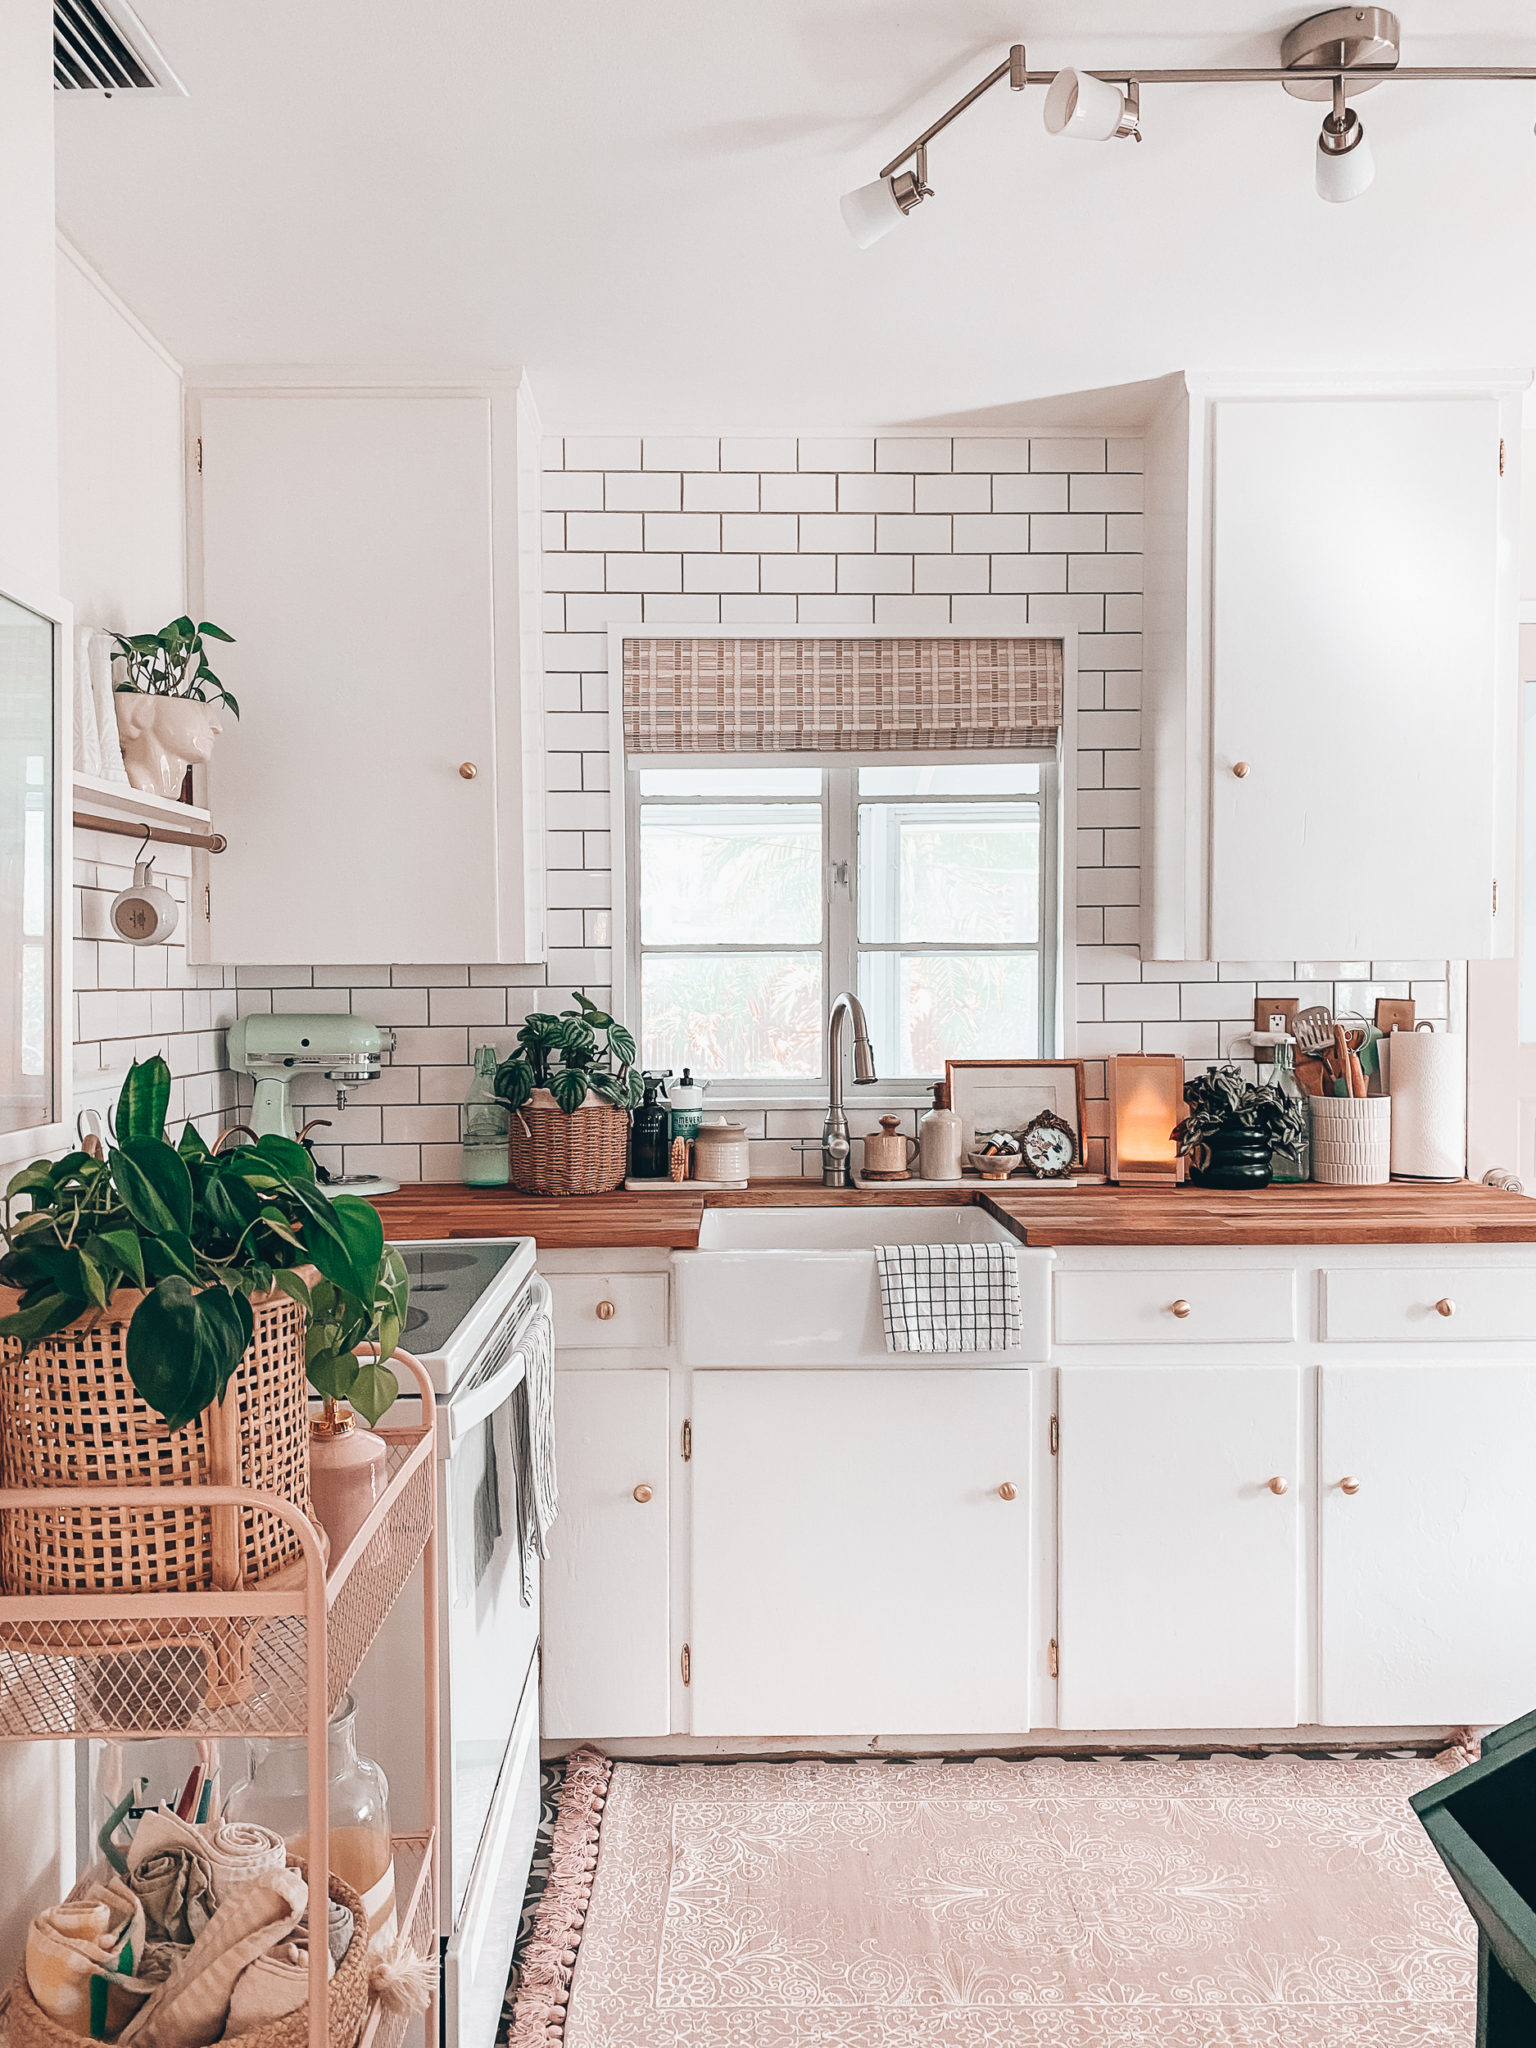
(579, 1052)
(1223, 1101)
(174, 663)
(201, 1234)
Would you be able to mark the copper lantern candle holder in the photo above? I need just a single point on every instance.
(1146, 1100)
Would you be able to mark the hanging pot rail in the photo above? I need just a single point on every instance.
(138, 828)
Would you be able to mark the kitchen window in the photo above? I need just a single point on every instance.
(757, 893)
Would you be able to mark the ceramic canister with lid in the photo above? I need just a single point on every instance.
(721, 1151)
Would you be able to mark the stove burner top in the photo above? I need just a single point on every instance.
(446, 1282)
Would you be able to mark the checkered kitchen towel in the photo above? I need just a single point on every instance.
(949, 1297)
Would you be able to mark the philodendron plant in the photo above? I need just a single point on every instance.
(580, 1052)
(1224, 1099)
(174, 663)
(200, 1234)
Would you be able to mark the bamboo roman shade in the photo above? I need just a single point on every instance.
(844, 696)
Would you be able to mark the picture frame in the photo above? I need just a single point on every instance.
(990, 1095)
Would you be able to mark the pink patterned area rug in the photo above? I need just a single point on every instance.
(1282, 1903)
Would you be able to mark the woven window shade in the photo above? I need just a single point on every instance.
(698, 696)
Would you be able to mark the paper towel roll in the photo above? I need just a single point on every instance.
(1429, 1105)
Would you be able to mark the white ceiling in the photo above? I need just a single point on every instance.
(639, 202)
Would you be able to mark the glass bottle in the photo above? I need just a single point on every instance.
(1286, 1167)
(276, 1794)
(487, 1123)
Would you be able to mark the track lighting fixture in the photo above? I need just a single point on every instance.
(1331, 56)
(873, 210)
(1345, 165)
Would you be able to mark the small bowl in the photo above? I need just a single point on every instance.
(994, 1165)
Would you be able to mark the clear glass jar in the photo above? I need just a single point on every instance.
(276, 1794)
(487, 1126)
(1297, 1165)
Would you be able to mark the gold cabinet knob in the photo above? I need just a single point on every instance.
(1278, 1485)
(643, 1494)
(1349, 1486)
(1445, 1307)
(606, 1311)
(1007, 1491)
(1179, 1309)
(468, 770)
(1240, 769)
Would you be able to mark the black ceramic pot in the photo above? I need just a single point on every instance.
(1235, 1158)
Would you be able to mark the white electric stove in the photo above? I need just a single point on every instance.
(473, 1304)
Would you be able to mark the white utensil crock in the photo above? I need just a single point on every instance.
(1351, 1140)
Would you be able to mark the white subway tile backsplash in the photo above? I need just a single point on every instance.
(760, 532)
(1030, 493)
(994, 533)
(720, 493)
(687, 532)
(815, 491)
(694, 608)
(1082, 453)
(874, 573)
(901, 614)
(753, 609)
(758, 452)
(996, 456)
(634, 491)
(573, 491)
(848, 451)
(645, 572)
(797, 573)
(952, 493)
(602, 451)
(720, 572)
(913, 454)
(875, 493)
(950, 573)
(903, 533)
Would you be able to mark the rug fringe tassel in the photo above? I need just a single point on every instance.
(544, 1985)
(1464, 1747)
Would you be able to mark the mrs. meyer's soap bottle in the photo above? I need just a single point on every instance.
(687, 1098)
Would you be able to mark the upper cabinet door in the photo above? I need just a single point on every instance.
(1354, 646)
(1330, 672)
(379, 792)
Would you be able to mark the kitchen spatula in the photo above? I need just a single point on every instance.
(1314, 1030)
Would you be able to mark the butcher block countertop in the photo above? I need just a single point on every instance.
(1464, 1212)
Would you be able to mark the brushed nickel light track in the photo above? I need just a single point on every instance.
(1333, 56)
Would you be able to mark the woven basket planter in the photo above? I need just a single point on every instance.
(551, 1153)
(71, 1417)
(28, 2026)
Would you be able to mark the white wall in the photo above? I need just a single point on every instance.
(121, 491)
(34, 1782)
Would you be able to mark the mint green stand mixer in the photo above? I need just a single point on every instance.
(276, 1051)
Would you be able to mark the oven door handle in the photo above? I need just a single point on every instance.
(468, 1411)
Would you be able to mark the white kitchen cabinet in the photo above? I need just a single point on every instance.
(1180, 1568)
(606, 1643)
(375, 553)
(1330, 667)
(855, 1566)
(1428, 1543)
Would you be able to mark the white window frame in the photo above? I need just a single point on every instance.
(1059, 836)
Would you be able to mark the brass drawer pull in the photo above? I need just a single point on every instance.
(1278, 1485)
(1445, 1306)
(1007, 1491)
(606, 1311)
(1349, 1486)
(1179, 1309)
(643, 1494)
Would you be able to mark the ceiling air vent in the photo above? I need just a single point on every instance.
(102, 46)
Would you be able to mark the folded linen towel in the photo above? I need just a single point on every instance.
(86, 736)
(80, 1958)
(529, 1418)
(232, 1853)
(99, 658)
(190, 2008)
(272, 1986)
(949, 1297)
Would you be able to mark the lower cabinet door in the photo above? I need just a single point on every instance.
(858, 1563)
(1180, 1566)
(1428, 1544)
(606, 1640)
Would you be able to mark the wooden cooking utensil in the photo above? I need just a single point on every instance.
(1347, 1062)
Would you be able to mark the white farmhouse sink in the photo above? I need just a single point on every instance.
(799, 1286)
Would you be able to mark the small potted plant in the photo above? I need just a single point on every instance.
(570, 1086)
(163, 1306)
(1233, 1127)
(168, 702)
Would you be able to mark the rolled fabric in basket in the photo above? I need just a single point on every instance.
(190, 2008)
(95, 1939)
(232, 1855)
(273, 1986)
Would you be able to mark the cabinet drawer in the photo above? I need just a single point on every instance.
(1429, 1304)
(610, 1311)
(1167, 1305)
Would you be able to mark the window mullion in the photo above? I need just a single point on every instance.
(842, 858)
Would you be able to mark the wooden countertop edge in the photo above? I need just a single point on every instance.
(1463, 1212)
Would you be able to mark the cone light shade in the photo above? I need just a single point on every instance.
(871, 212)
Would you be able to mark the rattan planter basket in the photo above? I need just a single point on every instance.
(551, 1153)
(71, 1417)
(28, 2026)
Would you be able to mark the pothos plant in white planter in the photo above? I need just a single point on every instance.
(570, 1086)
(168, 703)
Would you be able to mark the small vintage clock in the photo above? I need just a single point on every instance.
(1049, 1145)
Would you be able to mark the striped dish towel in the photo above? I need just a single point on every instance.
(949, 1297)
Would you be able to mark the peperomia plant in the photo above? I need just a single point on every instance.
(1223, 1099)
(580, 1052)
(199, 1234)
(174, 663)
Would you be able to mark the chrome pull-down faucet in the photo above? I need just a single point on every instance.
(835, 1145)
